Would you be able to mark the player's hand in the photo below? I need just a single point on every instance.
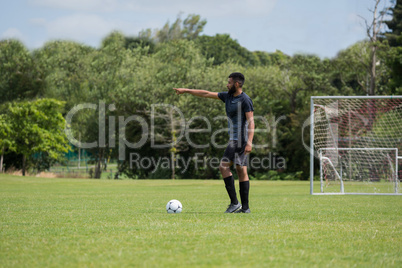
(179, 90)
(248, 149)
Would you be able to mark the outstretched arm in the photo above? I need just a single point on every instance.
(197, 92)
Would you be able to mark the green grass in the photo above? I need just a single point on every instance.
(48, 222)
(380, 187)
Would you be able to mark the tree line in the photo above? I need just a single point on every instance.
(128, 83)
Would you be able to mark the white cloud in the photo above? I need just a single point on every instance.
(91, 27)
(38, 21)
(235, 9)
(12, 33)
(78, 5)
(79, 26)
(87, 28)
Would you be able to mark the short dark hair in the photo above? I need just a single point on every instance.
(238, 77)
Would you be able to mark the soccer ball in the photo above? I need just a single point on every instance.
(174, 206)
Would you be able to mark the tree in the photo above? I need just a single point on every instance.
(142, 42)
(300, 77)
(222, 48)
(166, 125)
(395, 24)
(188, 29)
(266, 59)
(394, 62)
(373, 31)
(193, 26)
(349, 69)
(106, 76)
(64, 67)
(19, 76)
(38, 127)
(303, 73)
(6, 137)
(394, 56)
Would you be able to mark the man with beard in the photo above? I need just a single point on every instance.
(239, 111)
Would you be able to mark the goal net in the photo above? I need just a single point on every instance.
(357, 143)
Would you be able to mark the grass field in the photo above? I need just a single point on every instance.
(47, 222)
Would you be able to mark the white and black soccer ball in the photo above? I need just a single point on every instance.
(174, 206)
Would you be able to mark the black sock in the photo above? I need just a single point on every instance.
(244, 190)
(230, 188)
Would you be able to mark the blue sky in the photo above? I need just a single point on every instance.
(320, 27)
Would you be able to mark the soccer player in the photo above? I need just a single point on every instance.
(239, 110)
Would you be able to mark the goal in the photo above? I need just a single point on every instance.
(357, 144)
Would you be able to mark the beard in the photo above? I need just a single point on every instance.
(232, 90)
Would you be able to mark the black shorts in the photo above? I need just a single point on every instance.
(235, 153)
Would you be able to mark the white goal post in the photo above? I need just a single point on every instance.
(356, 142)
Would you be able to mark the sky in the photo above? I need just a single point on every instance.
(320, 27)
